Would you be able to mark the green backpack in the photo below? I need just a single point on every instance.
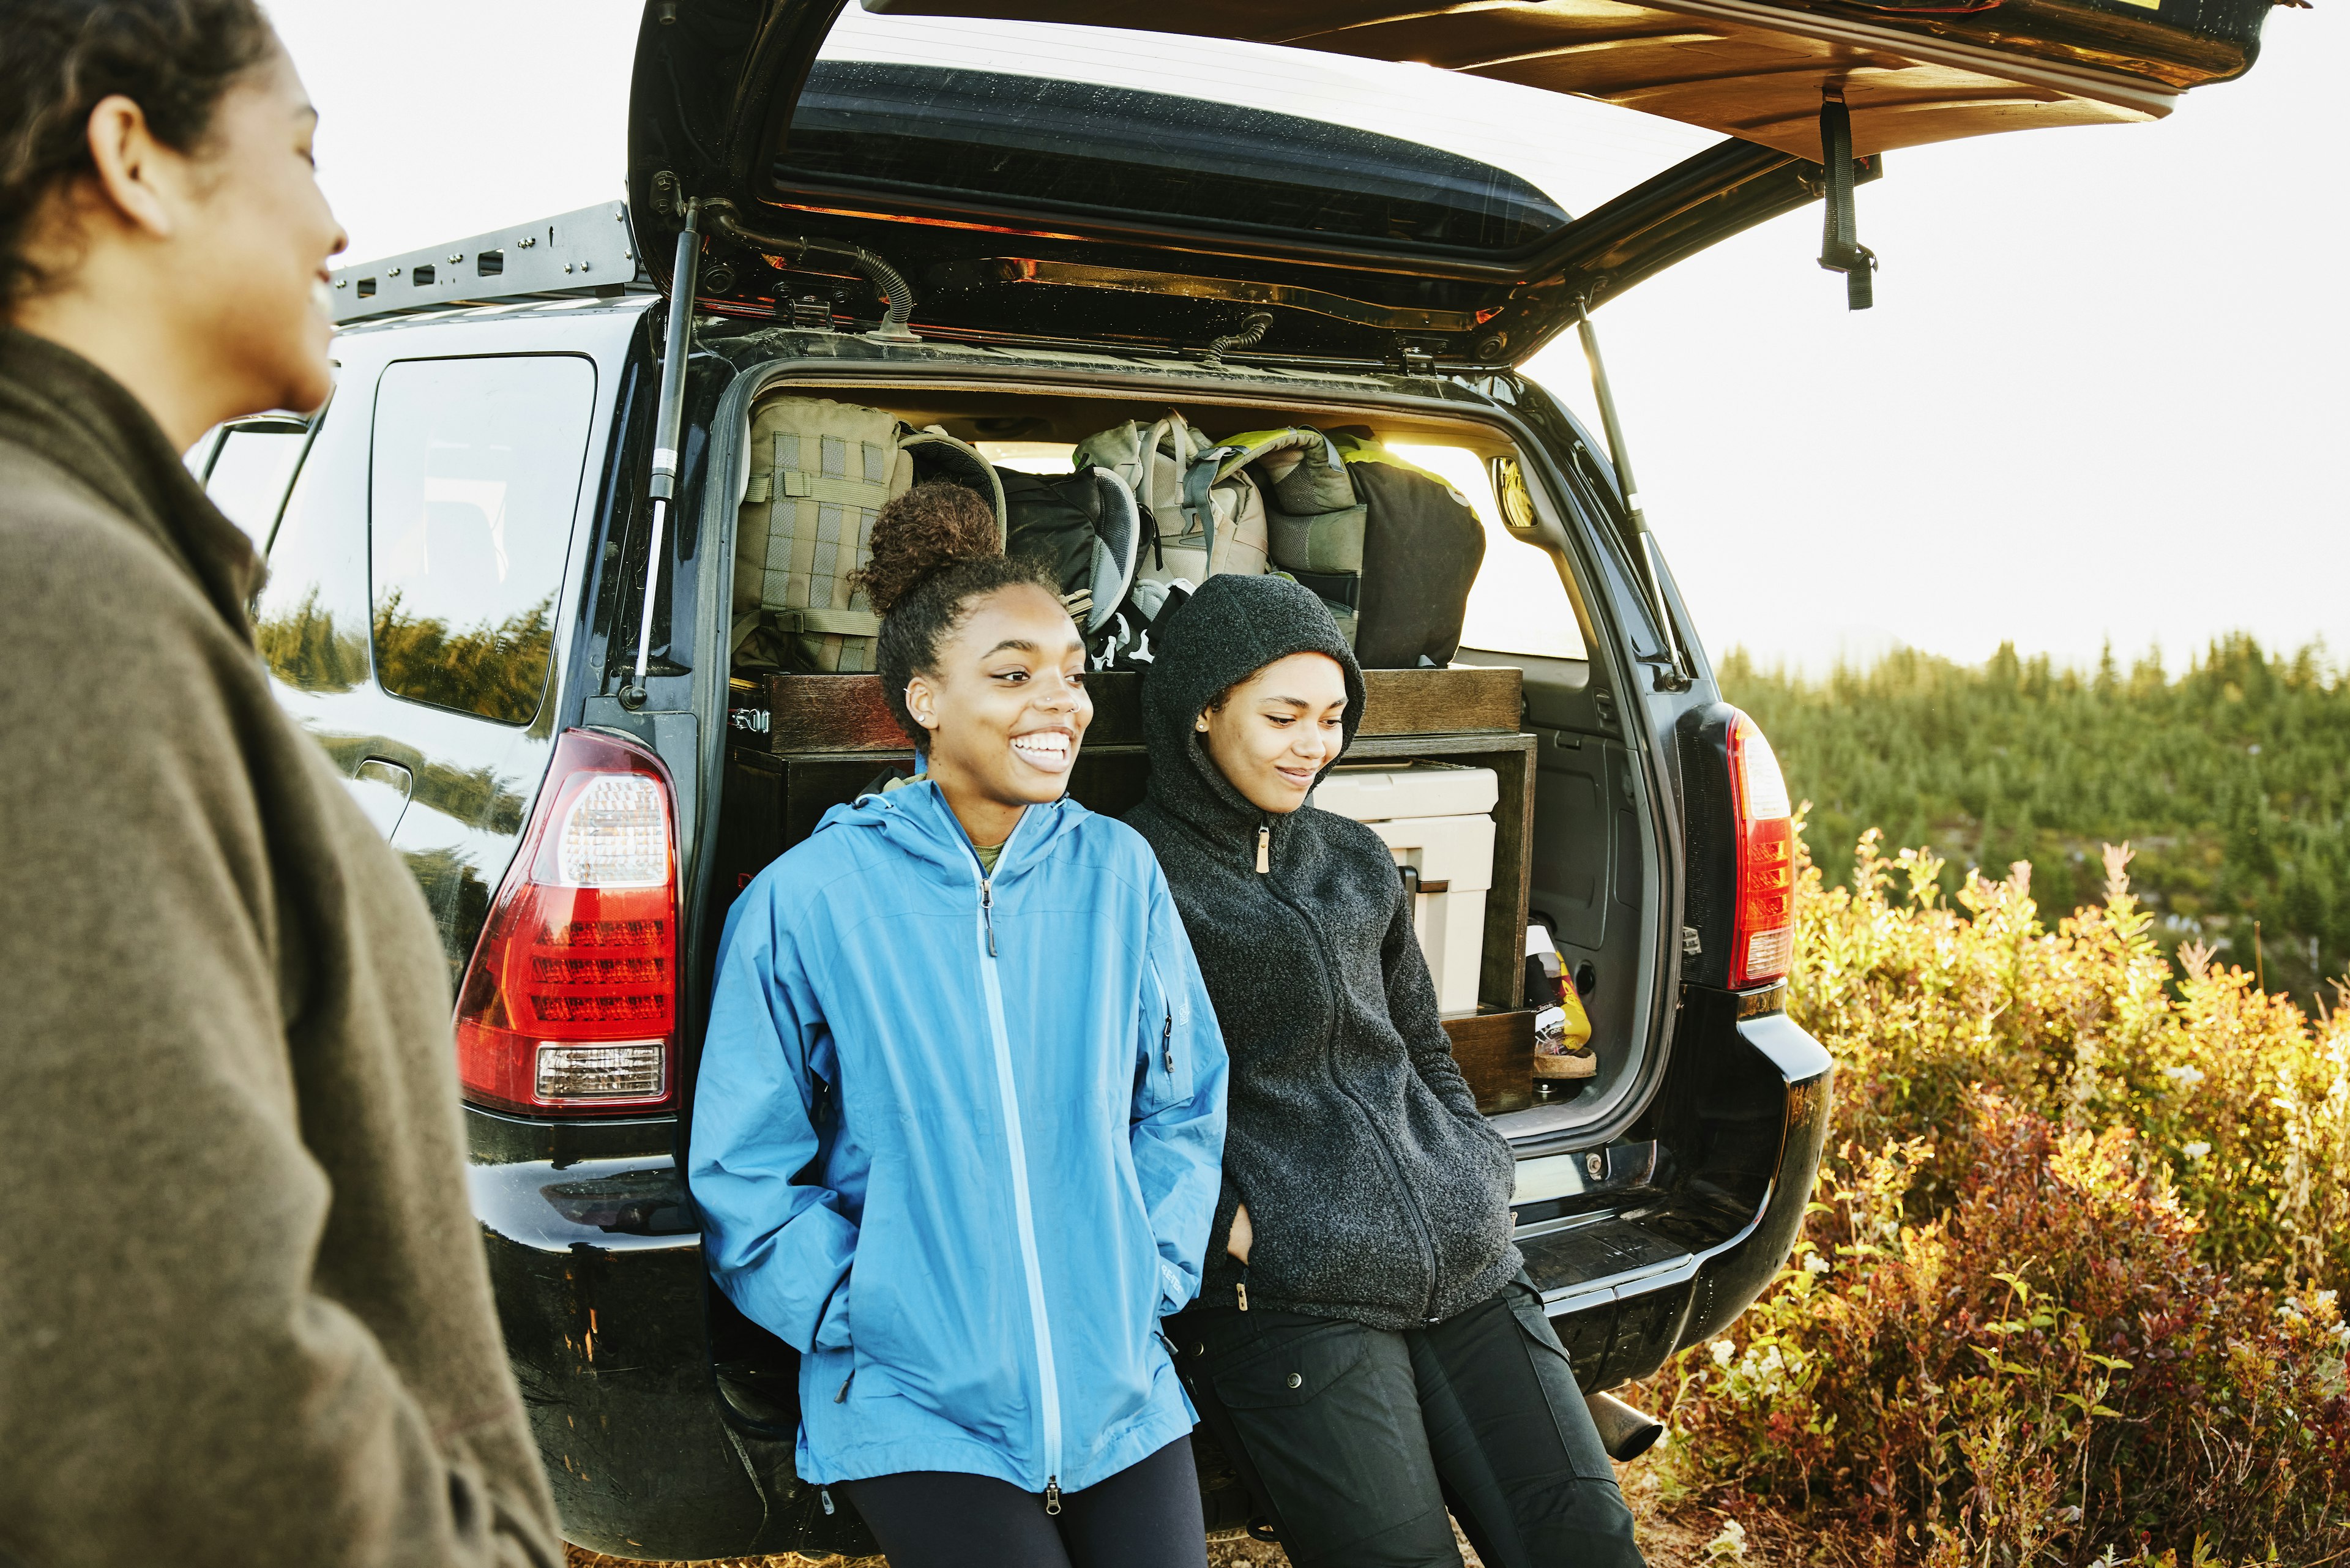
(820, 472)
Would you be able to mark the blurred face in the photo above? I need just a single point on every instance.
(1004, 710)
(1279, 729)
(252, 242)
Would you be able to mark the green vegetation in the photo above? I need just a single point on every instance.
(498, 671)
(2068, 1290)
(309, 652)
(2230, 783)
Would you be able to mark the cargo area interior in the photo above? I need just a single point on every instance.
(1518, 730)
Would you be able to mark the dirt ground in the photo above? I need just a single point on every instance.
(1677, 1538)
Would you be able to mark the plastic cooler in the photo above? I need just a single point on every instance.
(1435, 819)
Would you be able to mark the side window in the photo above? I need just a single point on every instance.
(311, 617)
(249, 471)
(477, 476)
(1518, 603)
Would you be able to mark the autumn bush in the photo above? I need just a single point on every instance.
(2067, 1291)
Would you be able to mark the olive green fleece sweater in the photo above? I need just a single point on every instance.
(244, 1316)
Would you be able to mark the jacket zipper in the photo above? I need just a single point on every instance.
(1329, 1061)
(1016, 1150)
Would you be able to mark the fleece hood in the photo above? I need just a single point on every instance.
(1226, 632)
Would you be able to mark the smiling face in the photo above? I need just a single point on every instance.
(197, 277)
(1274, 732)
(1004, 710)
(256, 240)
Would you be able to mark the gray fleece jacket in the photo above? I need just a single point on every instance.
(1376, 1190)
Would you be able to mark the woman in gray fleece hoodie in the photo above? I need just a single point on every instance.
(1366, 1342)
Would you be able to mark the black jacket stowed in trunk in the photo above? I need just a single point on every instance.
(1376, 1190)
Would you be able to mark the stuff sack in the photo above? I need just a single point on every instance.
(820, 472)
(1316, 523)
(1422, 544)
(1086, 526)
(1203, 514)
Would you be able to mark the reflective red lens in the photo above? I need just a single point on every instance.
(1762, 939)
(569, 1006)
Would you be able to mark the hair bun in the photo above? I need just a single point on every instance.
(931, 528)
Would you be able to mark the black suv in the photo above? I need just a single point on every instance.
(501, 570)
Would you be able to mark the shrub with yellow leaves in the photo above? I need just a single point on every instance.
(2067, 1290)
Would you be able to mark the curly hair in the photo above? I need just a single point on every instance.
(174, 59)
(935, 552)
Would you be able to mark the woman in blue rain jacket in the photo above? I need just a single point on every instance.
(958, 1130)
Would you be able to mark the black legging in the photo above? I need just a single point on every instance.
(1145, 1516)
(1363, 1442)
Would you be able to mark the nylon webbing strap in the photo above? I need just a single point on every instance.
(828, 622)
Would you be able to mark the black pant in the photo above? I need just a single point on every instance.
(1145, 1516)
(1360, 1440)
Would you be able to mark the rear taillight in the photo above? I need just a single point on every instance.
(569, 1007)
(1762, 931)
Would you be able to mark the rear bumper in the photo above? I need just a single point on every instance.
(599, 1281)
(1679, 1227)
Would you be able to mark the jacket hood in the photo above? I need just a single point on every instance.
(1227, 632)
(917, 821)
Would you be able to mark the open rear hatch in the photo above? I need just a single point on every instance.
(1072, 185)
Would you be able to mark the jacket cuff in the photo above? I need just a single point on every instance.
(1220, 1230)
(832, 1328)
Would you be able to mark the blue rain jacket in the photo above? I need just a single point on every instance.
(959, 1140)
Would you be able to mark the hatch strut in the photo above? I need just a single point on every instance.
(669, 424)
(1839, 251)
(1672, 667)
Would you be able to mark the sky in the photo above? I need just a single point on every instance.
(2101, 398)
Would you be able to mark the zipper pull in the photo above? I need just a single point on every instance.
(1264, 850)
(1052, 1494)
(842, 1397)
(987, 910)
(1167, 1043)
(1241, 1288)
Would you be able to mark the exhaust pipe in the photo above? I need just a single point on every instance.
(1624, 1432)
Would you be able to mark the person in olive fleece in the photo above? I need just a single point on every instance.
(245, 1320)
(1366, 1344)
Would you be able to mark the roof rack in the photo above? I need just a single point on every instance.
(590, 252)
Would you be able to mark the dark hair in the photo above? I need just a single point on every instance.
(173, 58)
(935, 550)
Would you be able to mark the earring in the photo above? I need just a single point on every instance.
(1201, 723)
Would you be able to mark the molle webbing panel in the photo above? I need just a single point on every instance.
(821, 470)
